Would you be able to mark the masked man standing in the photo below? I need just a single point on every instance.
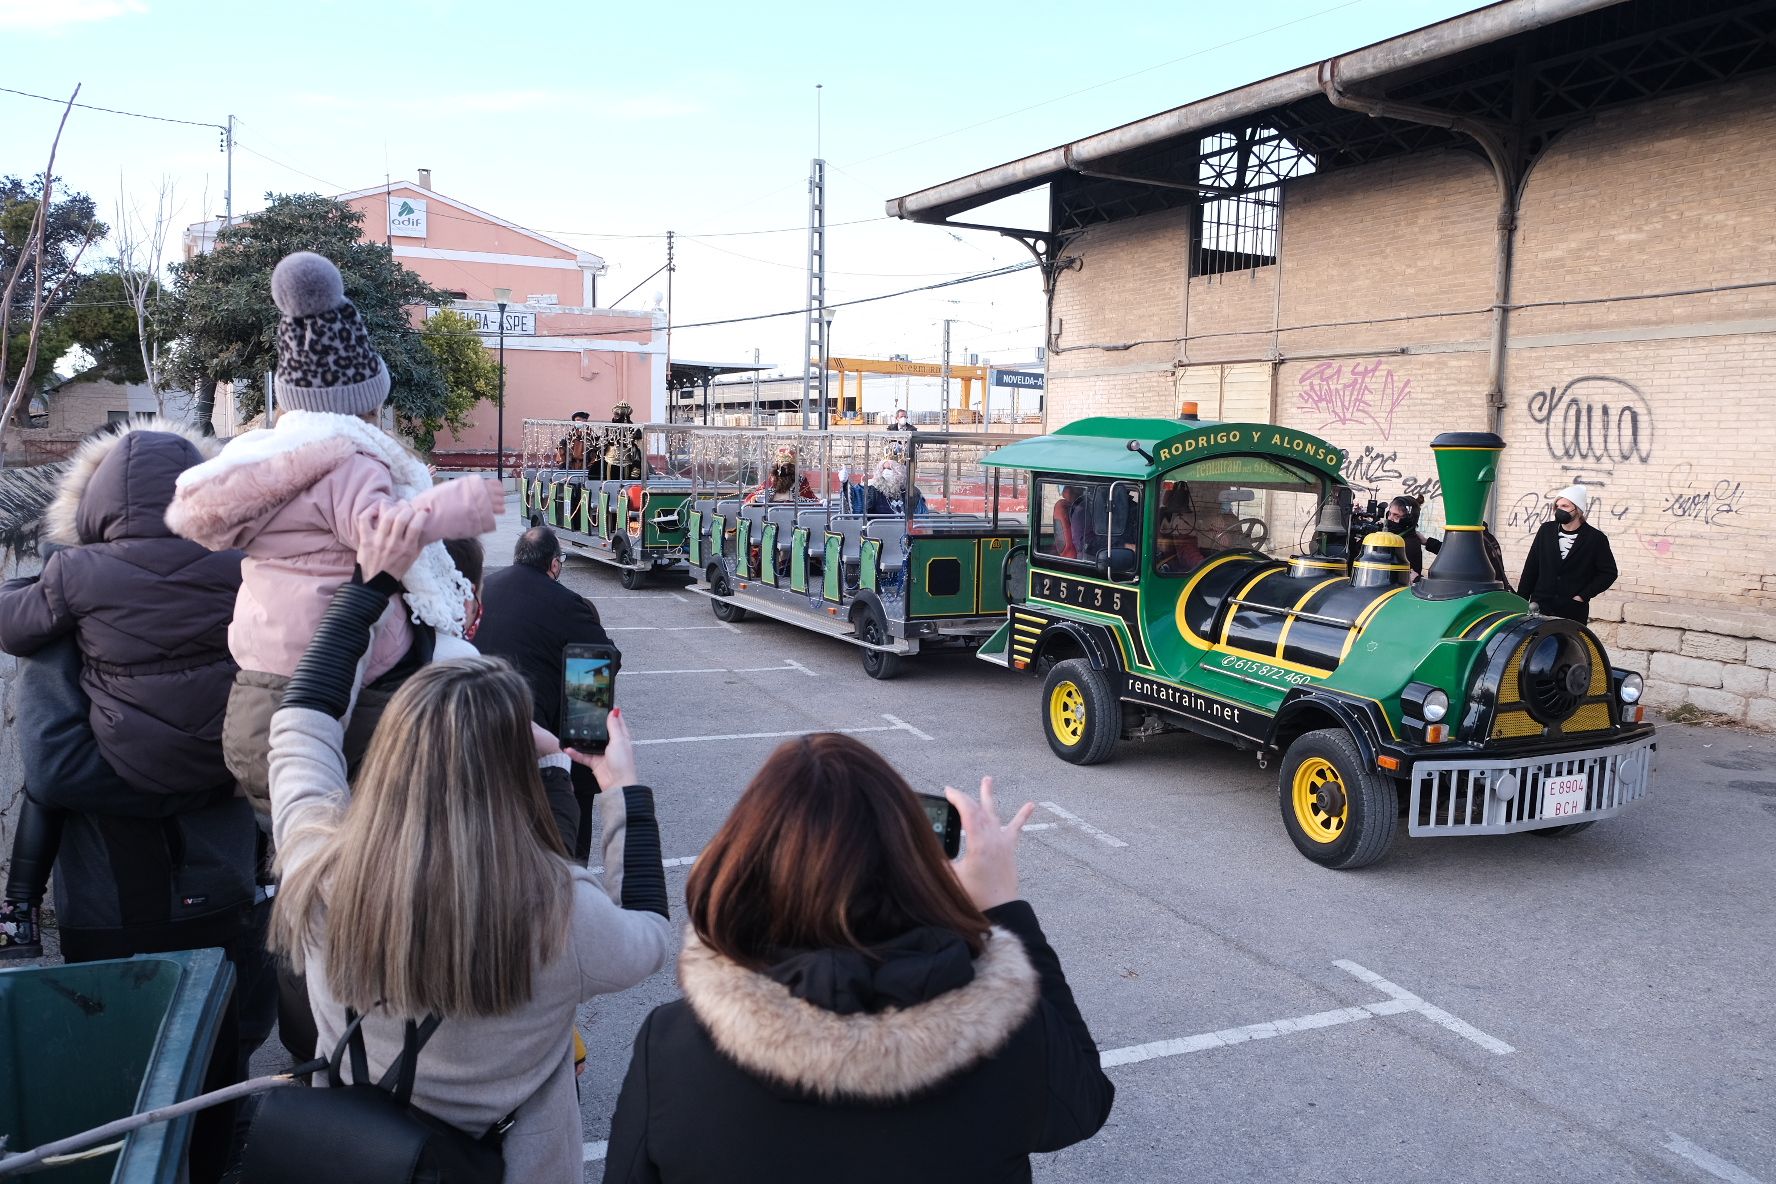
(1570, 563)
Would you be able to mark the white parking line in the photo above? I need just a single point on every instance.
(681, 861)
(1709, 1162)
(602, 597)
(593, 1152)
(670, 628)
(1435, 1014)
(789, 665)
(894, 725)
(1400, 1002)
(1109, 840)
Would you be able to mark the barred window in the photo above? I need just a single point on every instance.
(1239, 231)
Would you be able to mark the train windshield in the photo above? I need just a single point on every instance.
(1236, 503)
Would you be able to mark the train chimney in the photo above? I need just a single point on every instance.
(1467, 463)
(1382, 563)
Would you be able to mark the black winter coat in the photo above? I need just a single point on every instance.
(1553, 582)
(136, 873)
(150, 611)
(962, 1080)
(527, 619)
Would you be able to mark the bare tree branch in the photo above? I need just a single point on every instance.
(141, 247)
(39, 249)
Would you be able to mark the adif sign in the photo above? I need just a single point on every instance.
(407, 216)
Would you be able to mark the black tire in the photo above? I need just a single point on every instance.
(871, 627)
(1017, 575)
(1561, 832)
(1080, 714)
(633, 579)
(1346, 812)
(716, 576)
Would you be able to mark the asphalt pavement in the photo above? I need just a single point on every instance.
(1597, 1007)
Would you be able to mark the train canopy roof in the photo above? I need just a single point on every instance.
(1103, 446)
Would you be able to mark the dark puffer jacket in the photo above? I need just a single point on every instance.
(150, 611)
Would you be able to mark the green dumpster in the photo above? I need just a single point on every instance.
(97, 1041)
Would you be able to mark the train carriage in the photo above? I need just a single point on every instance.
(1212, 577)
(895, 544)
(614, 492)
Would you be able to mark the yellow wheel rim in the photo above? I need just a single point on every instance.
(1066, 713)
(1322, 808)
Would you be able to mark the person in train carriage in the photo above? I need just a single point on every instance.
(1178, 546)
(621, 445)
(886, 493)
(574, 450)
(785, 483)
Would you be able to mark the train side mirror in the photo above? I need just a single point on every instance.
(1120, 561)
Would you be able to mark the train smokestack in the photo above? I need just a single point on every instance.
(1467, 463)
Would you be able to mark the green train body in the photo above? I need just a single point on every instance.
(1226, 591)
(631, 516)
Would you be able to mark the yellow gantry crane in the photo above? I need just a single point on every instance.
(962, 413)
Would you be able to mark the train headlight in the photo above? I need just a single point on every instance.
(1435, 707)
(1632, 687)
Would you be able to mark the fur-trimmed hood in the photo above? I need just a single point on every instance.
(881, 1056)
(134, 504)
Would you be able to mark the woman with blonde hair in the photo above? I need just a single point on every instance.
(436, 885)
(855, 1009)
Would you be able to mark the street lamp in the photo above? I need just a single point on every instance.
(502, 297)
(826, 320)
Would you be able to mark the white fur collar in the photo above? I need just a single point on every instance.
(435, 591)
(887, 1056)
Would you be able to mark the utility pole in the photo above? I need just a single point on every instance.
(670, 268)
(814, 381)
(946, 376)
(755, 386)
(228, 191)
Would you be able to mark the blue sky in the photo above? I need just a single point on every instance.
(696, 117)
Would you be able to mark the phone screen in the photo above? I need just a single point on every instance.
(588, 693)
(946, 823)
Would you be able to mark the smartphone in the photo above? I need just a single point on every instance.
(946, 822)
(588, 692)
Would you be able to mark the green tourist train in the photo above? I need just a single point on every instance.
(1215, 578)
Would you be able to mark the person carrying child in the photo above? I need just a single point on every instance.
(295, 498)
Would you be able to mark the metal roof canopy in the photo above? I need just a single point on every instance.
(682, 375)
(1529, 68)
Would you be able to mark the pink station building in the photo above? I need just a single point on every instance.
(563, 353)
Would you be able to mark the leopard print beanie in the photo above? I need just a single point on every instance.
(325, 360)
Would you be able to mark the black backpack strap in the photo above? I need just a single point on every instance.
(352, 1039)
(400, 1076)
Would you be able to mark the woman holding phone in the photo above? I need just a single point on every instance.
(855, 1007)
(436, 884)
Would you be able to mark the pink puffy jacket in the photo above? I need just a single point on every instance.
(295, 515)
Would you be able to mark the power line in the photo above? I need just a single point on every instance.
(114, 110)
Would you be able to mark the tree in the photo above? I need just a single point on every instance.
(73, 226)
(470, 375)
(141, 243)
(226, 324)
(104, 323)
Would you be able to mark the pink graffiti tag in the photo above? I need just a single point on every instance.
(1658, 546)
(1362, 392)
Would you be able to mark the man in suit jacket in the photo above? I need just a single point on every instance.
(528, 617)
(1569, 563)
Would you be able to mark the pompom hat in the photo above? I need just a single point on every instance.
(325, 360)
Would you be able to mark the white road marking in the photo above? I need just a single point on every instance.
(681, 861)
(1709, 1162)
(1040, 825)
(670, 628)
(1400, 1002)
(602, 597)
(692, 670)
(1431, 1012)
(594, 1152)
(896, 725)
(1109, 840)
(789, 666)
(901, 723)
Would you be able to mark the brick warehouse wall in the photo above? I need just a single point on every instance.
(1662, 406)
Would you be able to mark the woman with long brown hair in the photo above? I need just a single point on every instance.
(436, 883)
(855, 1009)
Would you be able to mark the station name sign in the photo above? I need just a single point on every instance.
(1267, 438)
(1022, 379)
(519, 322)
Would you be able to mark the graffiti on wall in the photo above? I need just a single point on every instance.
(1598, 431)
(1368, 393)
(1374, 469)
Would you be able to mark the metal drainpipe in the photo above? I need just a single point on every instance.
(1492, 143)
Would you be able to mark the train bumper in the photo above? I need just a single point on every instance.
(1499, 796)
